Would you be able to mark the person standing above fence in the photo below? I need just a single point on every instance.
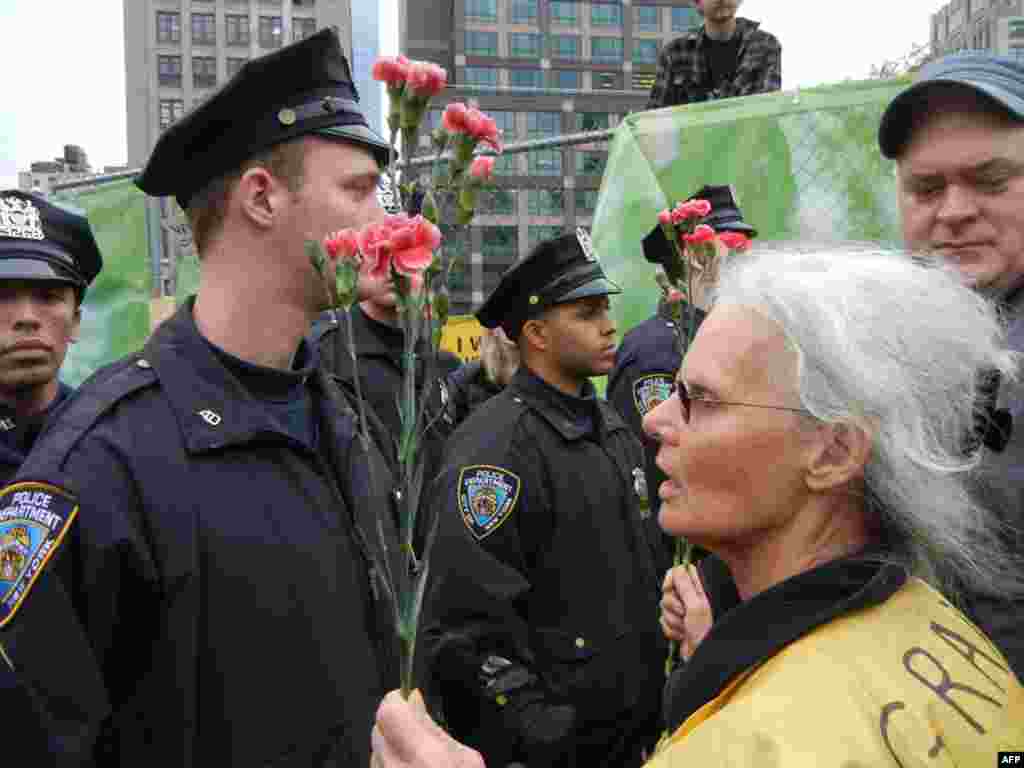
(48, 257)
(213, 596)
(725, 57)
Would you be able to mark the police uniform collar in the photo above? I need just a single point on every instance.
(744, 635)
(211, 405)
(304, 88)
(18, 434)
(573, 417)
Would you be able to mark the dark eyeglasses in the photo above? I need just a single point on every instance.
(685, 400)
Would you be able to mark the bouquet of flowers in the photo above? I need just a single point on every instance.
(697, 250)
(406, 249)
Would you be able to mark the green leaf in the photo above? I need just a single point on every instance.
(317, 256)
(347, 283)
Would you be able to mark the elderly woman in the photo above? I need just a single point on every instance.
(473, 384)
(816, 444)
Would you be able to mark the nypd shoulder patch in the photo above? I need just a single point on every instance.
(487, 496)
(34, 518)
(652, 390)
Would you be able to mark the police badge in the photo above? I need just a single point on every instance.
(487, 496)
(34, 517)
(652, 390)
(19, 218)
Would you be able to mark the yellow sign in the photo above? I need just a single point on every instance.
(461, 337)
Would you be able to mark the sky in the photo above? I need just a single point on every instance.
(64, 80)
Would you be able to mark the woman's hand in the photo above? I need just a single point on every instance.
(406, 737)
(685, 609)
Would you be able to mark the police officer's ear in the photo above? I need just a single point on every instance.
(537, 334)
(259, 196)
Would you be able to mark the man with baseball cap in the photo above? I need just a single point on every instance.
(540, 656)
(48, 257)
(199, 579)
(957, 135)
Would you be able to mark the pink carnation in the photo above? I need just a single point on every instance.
(375, 245)
(665, 217)
(413, 242)
(454, 118)
(427, 78)
(735, 241)
(482, 168)
(702, 234)
(343, 244)
(700, 208)
(392, 71)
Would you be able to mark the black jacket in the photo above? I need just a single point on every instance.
(545, 557)
(463, 391)
(214, 599)
(18, 435)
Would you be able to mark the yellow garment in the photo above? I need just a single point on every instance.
(908, 683)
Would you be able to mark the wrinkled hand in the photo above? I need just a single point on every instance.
(406, 737)
(685, 609)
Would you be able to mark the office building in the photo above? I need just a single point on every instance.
(542, 68)
(366, 47)
(986, 25)
(177, 52)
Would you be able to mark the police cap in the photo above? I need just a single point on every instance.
(725, 216)
(43, 241)
(556, 271)
(304, 88)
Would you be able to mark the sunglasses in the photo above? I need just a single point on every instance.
(685, 400)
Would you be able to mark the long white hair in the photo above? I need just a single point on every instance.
(894, 344)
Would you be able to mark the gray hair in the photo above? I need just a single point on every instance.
(499, 356)
(894, 344)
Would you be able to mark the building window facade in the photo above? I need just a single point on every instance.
(586, 202)
(607, 81)
(500, 201)
(204, 71)
(236, 30)
(590, 162)
(538, 233)
(648, 18)
(593, 121)
(526, 78)
(566, 79)
(543, 125)
(685, 19)
(271, 31)
(645, 51)
(169, 70)
(234, 65)
(545, 162)
(545, 202)
(524, 45)
(482, 10)
(171, 111)
(168, 27)
(500, 244)
(486, 76)
(507, 165)
(302, 28)
(605, 15)
(565, 47)
(564, 13)
(606, 49)
(204, 29)
(523, 11)
(505, 120)
(481, 43)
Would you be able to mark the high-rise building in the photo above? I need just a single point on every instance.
(177, 52)
(986, 25)
(365, 50)
(542, 68)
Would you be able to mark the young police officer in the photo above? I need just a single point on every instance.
(48, 257)
(542, 632)
(196, 585)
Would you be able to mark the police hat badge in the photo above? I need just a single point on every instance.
(586, 244)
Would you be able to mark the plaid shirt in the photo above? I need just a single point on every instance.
(684, 77)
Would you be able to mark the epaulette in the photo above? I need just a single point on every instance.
(86, 406)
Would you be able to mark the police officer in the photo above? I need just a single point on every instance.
(197, 580)
(648, 358)
(48, 257)
(541, 631)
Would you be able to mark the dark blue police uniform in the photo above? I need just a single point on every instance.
(542, 628)
(17, 434)
(202, 573)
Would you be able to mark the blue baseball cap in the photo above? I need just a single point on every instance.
(997, 78)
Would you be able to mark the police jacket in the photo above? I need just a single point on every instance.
(17, 435)
(380, 348)
(644, 375)
(544, 556)
(207, 594)
(851, 663)
(463, 391)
